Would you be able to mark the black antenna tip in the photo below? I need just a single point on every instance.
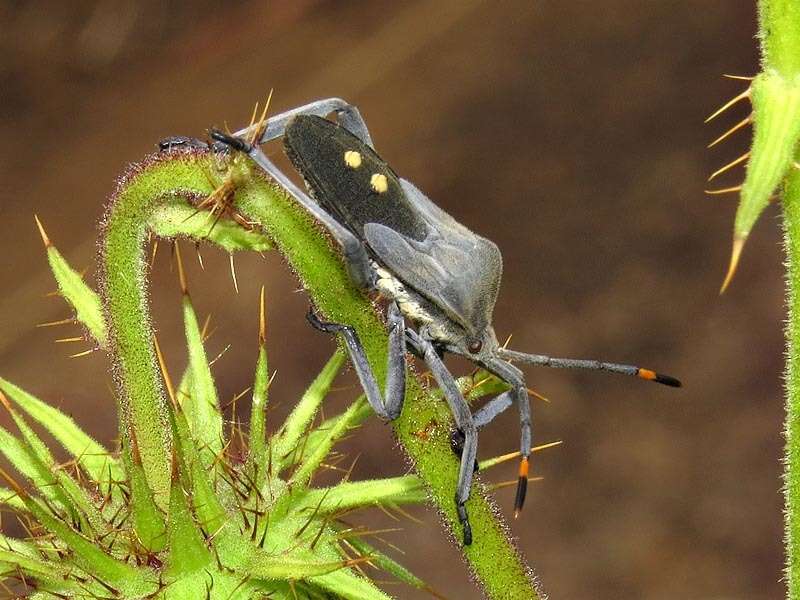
(667, 380)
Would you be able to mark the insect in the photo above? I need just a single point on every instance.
(435, 273)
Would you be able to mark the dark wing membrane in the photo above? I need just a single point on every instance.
(348, 178)
(459, 273)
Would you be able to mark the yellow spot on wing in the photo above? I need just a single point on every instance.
(352, 159)
(379, 183)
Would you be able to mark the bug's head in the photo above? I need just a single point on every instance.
(477, 347)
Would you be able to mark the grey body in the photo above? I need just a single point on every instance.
(435, 272)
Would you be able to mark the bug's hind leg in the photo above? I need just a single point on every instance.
(388, 405)
(347, 115)
(491, 409)
(464, 422)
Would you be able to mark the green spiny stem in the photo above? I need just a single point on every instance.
(423, 428)
(791, 214)
(779, 31)
(780, 38)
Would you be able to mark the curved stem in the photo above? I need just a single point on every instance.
(423, 428)
(144, 424)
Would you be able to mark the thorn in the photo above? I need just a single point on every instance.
(537, 395)
(6, 404)
(736, 253)
(253, 116)
(512, 455)
(508, 340)
(84, 353)
(153, 254)
(13, 483)
(728, 190)
(739, 77)
(510, 483)
(730, 165)
(747, 120)
(165, 373)
(233, 274)
(218, 356)
(181, 273)
(199, 256)
(728, 104)
(204, 335)
(45, 239)
(261, 124)
(262, 321)
(66, 321)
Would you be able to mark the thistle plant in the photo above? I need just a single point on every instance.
(772, 171)
(190, 507)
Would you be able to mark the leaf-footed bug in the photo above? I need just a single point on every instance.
(435, 272)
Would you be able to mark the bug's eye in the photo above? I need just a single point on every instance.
(475, 346)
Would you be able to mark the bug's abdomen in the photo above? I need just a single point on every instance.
(348, 178)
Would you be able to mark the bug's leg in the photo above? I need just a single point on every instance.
(347, 115)
(519, 394)
(388, 405)
(464, 422)
(355, 255)
(491, 409)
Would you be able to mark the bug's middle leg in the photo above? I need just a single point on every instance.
(464, 422)
(389, 404)
(355, 254)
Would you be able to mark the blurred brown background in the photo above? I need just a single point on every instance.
(569, 133)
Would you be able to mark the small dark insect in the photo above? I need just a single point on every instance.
(435, 272)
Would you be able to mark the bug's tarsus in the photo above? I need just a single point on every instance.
(463, 518)
(229, 140)
(522, 486)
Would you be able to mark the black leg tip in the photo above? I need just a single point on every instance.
(321, 325)
(463, 518)
(522, 490)
(229, 140)
(467, 534)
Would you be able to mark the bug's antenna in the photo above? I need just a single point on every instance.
(593, 365)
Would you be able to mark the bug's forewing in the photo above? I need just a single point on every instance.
(460, 274)
(421, 244)
(317, 148)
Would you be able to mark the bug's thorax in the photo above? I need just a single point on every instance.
(417, 309)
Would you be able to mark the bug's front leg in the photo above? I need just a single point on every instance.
(387, 405)
(355, 254)
(347, 115)
(464, 422)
